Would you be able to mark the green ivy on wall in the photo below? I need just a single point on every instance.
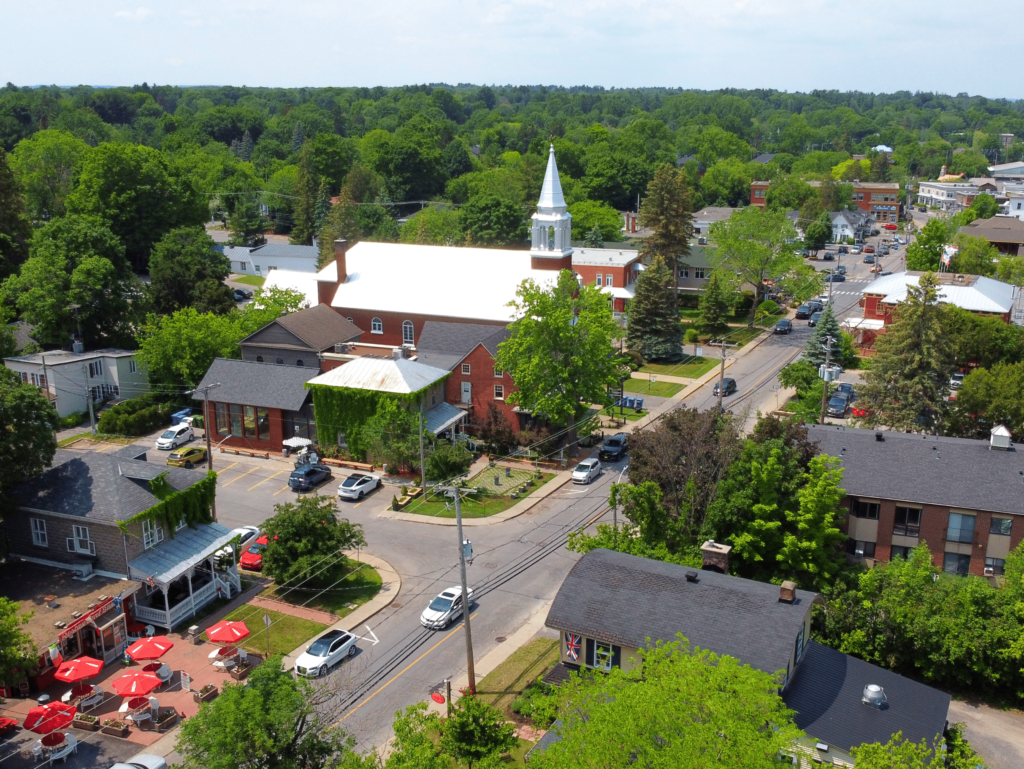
(191, 505)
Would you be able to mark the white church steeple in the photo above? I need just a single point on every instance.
(551, 234)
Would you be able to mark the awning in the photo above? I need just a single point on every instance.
(618, 292)
(442, 416)
(871, 324)
(176, 555)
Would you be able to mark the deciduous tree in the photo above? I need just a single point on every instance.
(653, 327)
(588, 215)
(926, 250)
(433, 227)
(715, 307)
(18, 653)
(186, 271)
(975, 256)
(475, 732)
(46, 164)
(490, 220)
(15, 228)
(985, 206)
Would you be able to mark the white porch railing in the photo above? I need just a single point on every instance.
(149, 614)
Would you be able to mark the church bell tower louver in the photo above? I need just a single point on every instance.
(551, 233)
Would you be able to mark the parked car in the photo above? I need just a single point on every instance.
(827, 256)
(306, 477)
(824, 300)
(444, 609)
(838, 405)
(246, 535)
(586, 471)
(854, 250)
(869, 249)
(883, 251)
(883, 273)
(869, 259)
(784, 326)
(841, 269)
(815, 318)
(141, 761)
(844, 250)
(846, 389)
(890, 226)
(187, 458)
(252, 559)
(324, 653)
(803, 311)
(175, 436)
(923, 209)
(358, 485)
(242, 294)
(614, 448)
(816, 305)
(728, 386)
(957, 380)
(837, 277)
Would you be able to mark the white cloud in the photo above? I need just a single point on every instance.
(139, 14)
(173, 62)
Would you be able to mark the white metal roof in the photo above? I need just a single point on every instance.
(620, 292)
(599, 257)
(472, 283)
(983, 295)
(303, 282)
(872, 324)
(387, 375)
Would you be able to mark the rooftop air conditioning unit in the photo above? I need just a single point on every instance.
(341, 347)
(83, 570)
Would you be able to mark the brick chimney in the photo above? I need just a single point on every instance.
(787, 592)
(715, 556)
(340, 247)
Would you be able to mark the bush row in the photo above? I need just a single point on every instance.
(137, 416)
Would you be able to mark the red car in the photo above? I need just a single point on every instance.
(252, 559)
(890, 226)
(869, 249)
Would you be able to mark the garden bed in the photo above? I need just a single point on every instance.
(490, 500)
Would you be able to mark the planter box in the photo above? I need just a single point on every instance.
(167, 724)
(400, 504)
(413, 492)
(116, 730)
(238, 673)
(200, 697)
(85, 726)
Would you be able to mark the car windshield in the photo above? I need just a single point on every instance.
(169, 434)
(320, 647)
(441, 604)
(257, 548)
(837, 401)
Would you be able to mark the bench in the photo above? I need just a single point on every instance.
(263, 454)
(364, 466)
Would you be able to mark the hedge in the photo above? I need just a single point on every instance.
(137, 416)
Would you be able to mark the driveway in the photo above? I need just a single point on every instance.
(998, 735)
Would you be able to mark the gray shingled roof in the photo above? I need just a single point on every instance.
(625, 600)
(826, 694)
(258, 384)
(949, 472)
(99, 487)
(764, 157)
(285, 251)
(443, 345)
(320, 327)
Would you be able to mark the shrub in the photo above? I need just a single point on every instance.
(447, 460)
(137, 416)
(72, 420)
(766, 309)
(636, 360)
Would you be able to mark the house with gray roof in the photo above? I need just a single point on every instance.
(961, 497)
(612, 605)
(300, 338)
(256, 406)
(261, 260)
(89, 513)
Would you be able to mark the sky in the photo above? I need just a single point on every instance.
(790, 45)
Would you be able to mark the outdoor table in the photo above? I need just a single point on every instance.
(160, 669)
(225, 657)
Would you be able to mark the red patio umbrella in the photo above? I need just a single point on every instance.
(136, 684)
(81, 690)
(149, 648)
(79, 669)
(225, 632)
(43, 719)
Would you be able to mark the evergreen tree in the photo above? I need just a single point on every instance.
(828, 326)
(667, 212)
(323, 205)
(653, 328)
(247, 224)
(341, 223)
(594, 238)
(714, 308)
(907, 379)
(306, 187)
(245, 147)
(15, 228)
(298, 137)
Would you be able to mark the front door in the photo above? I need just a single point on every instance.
(467, 392)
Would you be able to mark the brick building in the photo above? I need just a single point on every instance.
(960, 497)
(880, 199)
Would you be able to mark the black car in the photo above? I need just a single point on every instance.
(869, 259)
(836, 277)
(922, 209)
(803, 311)
(841, 269)
(827, 256)
(815, 318)
(308, 476)
(816, 305)
(241, 294)
(844, 250)
(614, 448)
(784, 326)
(846, 390)
(728, 386)
(837, 406)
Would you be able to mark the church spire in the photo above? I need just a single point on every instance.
(551, 193)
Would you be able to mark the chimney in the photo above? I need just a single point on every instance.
(787, 592)
(715, 556)
(340, 247)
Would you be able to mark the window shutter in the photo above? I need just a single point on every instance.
(617, 656)
(590, 652)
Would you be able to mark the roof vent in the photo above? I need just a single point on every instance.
(787, 592)
(397, 353)
(691, 576)
(999, 438)
(880, 437)
(874, 696)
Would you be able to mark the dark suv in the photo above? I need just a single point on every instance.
(614, 448)
(308, 476)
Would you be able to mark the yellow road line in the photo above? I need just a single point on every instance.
(283, 488)
(224, 470)
(240, 477)
(264, 480)
(357, 504)
(404, 670)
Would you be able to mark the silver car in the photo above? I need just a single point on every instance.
(586, 471)
(175, 436)
(443, 610)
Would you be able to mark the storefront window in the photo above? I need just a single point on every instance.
(222, 418)
(250, 422)
(263, 424)
(236, 420)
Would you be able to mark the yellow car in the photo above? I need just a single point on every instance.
(187, 457)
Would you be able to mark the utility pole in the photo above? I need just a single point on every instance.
(470, 668)
(206, 430)
(423, 461)
(46, 389)
(721, 372)
(88, 398)
(824, 388)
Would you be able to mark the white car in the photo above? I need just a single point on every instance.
(141, 761)
(358, 485)
(586, 471)
(824, 299)
(175, 436)
(324, 653)
(246, 535)
(444, 609)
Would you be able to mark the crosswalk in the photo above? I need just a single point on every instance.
(849, 287)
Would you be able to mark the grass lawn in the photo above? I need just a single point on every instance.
(629, 415)
(742, 336)
(287, 633)
(358, 584)
(659, 389)
(690, 367)
(507, 681)
(249, 280)
(481, 505)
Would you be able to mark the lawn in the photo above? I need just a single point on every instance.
(658, 389)
(249, 280)
(287, 633)
(690, 367)
(629, 415)
(487, 502)
(507, 681)
(742, 336)
(356, 584)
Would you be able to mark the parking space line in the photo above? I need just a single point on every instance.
(108, 446)
(254, 469)
(357, 504)
(264, 480)
(227, 468)
(283, 488)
